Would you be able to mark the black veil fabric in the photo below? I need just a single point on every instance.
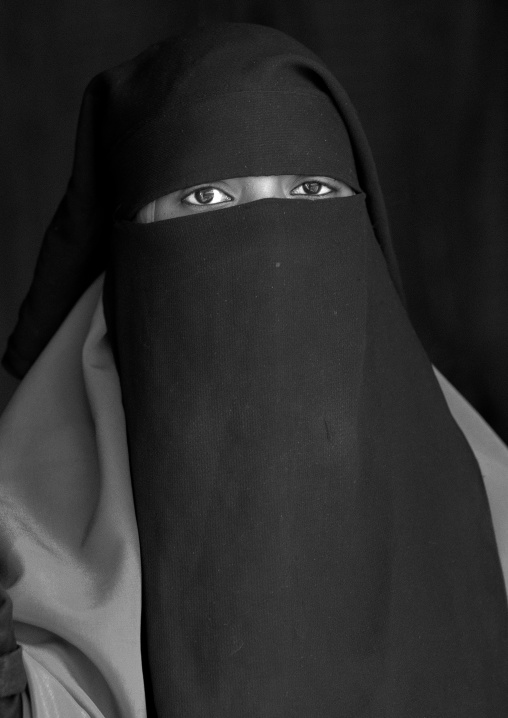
(315, 535)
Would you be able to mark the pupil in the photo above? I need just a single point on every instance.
(311, 187)
(205, 195)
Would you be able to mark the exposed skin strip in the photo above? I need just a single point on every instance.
(239, 190)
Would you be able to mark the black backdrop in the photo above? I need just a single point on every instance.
(429, 79)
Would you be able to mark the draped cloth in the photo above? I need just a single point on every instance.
(315, 535)
(78, 655)
(69, 546)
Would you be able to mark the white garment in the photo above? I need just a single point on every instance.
(68, 536)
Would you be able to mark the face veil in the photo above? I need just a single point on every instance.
(314, 530)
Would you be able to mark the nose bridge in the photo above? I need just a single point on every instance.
(262, 187)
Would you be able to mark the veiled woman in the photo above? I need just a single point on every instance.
(314, 531)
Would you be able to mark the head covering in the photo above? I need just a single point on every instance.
(315, 536)
(134, 131)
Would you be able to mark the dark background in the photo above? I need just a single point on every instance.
(429, 79)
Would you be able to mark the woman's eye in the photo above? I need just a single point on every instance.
(206, 196)
(312, 189)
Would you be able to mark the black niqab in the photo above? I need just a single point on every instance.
(315, 534)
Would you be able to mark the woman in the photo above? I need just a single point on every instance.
(314, 531)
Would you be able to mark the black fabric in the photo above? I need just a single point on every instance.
(315, 535)
(133, 146)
